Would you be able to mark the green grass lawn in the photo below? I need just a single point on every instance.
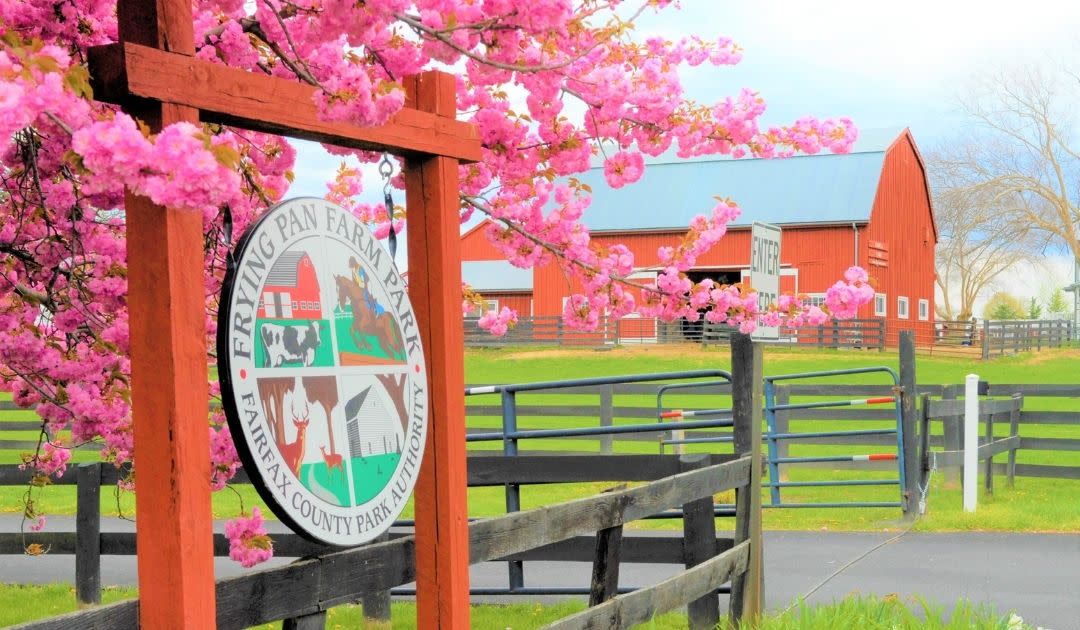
(865, 613)
(1033, 505)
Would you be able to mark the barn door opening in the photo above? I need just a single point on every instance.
(692, 331)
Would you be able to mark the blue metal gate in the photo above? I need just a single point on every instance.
(773, 437)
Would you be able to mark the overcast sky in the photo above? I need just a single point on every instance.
(881, 64)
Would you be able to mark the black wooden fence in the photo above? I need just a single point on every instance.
(972, 339)
(1011, 337)
(588, 529)
(609, 409)
(551, 331)
(950, 412)
(848, 333)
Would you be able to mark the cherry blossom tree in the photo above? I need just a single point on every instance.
(548, 83)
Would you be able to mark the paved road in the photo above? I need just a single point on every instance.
(1036, 574)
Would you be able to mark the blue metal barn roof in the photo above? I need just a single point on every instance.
(824, 188)
(496, 275)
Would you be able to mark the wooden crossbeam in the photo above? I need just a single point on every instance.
(127, 73)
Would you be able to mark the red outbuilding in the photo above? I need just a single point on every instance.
(291, 290)
(870, 207)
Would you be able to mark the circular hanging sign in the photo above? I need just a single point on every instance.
(323, 379)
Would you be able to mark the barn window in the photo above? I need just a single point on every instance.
(815, 299)
(902, 307)
(880, 305)
(491, 305)
(924, 310)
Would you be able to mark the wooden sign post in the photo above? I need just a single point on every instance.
(153, 73)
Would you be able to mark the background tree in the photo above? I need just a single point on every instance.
(977, 240)
(1003, 305)
(1057, 306)
(1034, 310)
(1023, 151)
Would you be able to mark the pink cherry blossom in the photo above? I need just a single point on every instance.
(623, 168)
(551, 86)
(248, 543)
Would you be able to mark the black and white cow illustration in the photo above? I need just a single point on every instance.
(295, 343)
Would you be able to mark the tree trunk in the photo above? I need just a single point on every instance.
(395, 386)
(272, 393)
(323, 390)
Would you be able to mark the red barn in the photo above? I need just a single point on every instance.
(870, 207)
(291, 290)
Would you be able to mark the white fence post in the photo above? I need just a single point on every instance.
(971, 441)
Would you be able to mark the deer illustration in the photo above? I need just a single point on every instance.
(293, 452)
(333, 460)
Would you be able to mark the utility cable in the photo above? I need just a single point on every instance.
(918, 516)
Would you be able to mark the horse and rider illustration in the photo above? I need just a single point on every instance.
(373, 329)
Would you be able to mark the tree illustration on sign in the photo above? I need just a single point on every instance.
(323, 390)
(272, 395)
(395, 387)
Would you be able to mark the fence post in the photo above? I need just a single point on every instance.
(515, 568)
(376, 604)
(783, 425)
(607, 413)
(314, 621)
(881, 335)
(605, 569)
(88, 534)
(909, 441)
(746, 398)
(971, 441)
(699, 544)
(985, 338)
(990, 458)
(924, 448)
(771, 441)
(1014, 430)
(951, 437)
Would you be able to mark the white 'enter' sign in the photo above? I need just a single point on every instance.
(765, 271)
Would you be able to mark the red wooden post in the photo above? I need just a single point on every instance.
(168, 364)
(442, 534)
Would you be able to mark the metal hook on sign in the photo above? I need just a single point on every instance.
(226, 233)
(386, 169)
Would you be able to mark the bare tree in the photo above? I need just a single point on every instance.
(1022, 150)
(977, 241)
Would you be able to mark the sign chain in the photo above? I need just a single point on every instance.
(386, 169)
